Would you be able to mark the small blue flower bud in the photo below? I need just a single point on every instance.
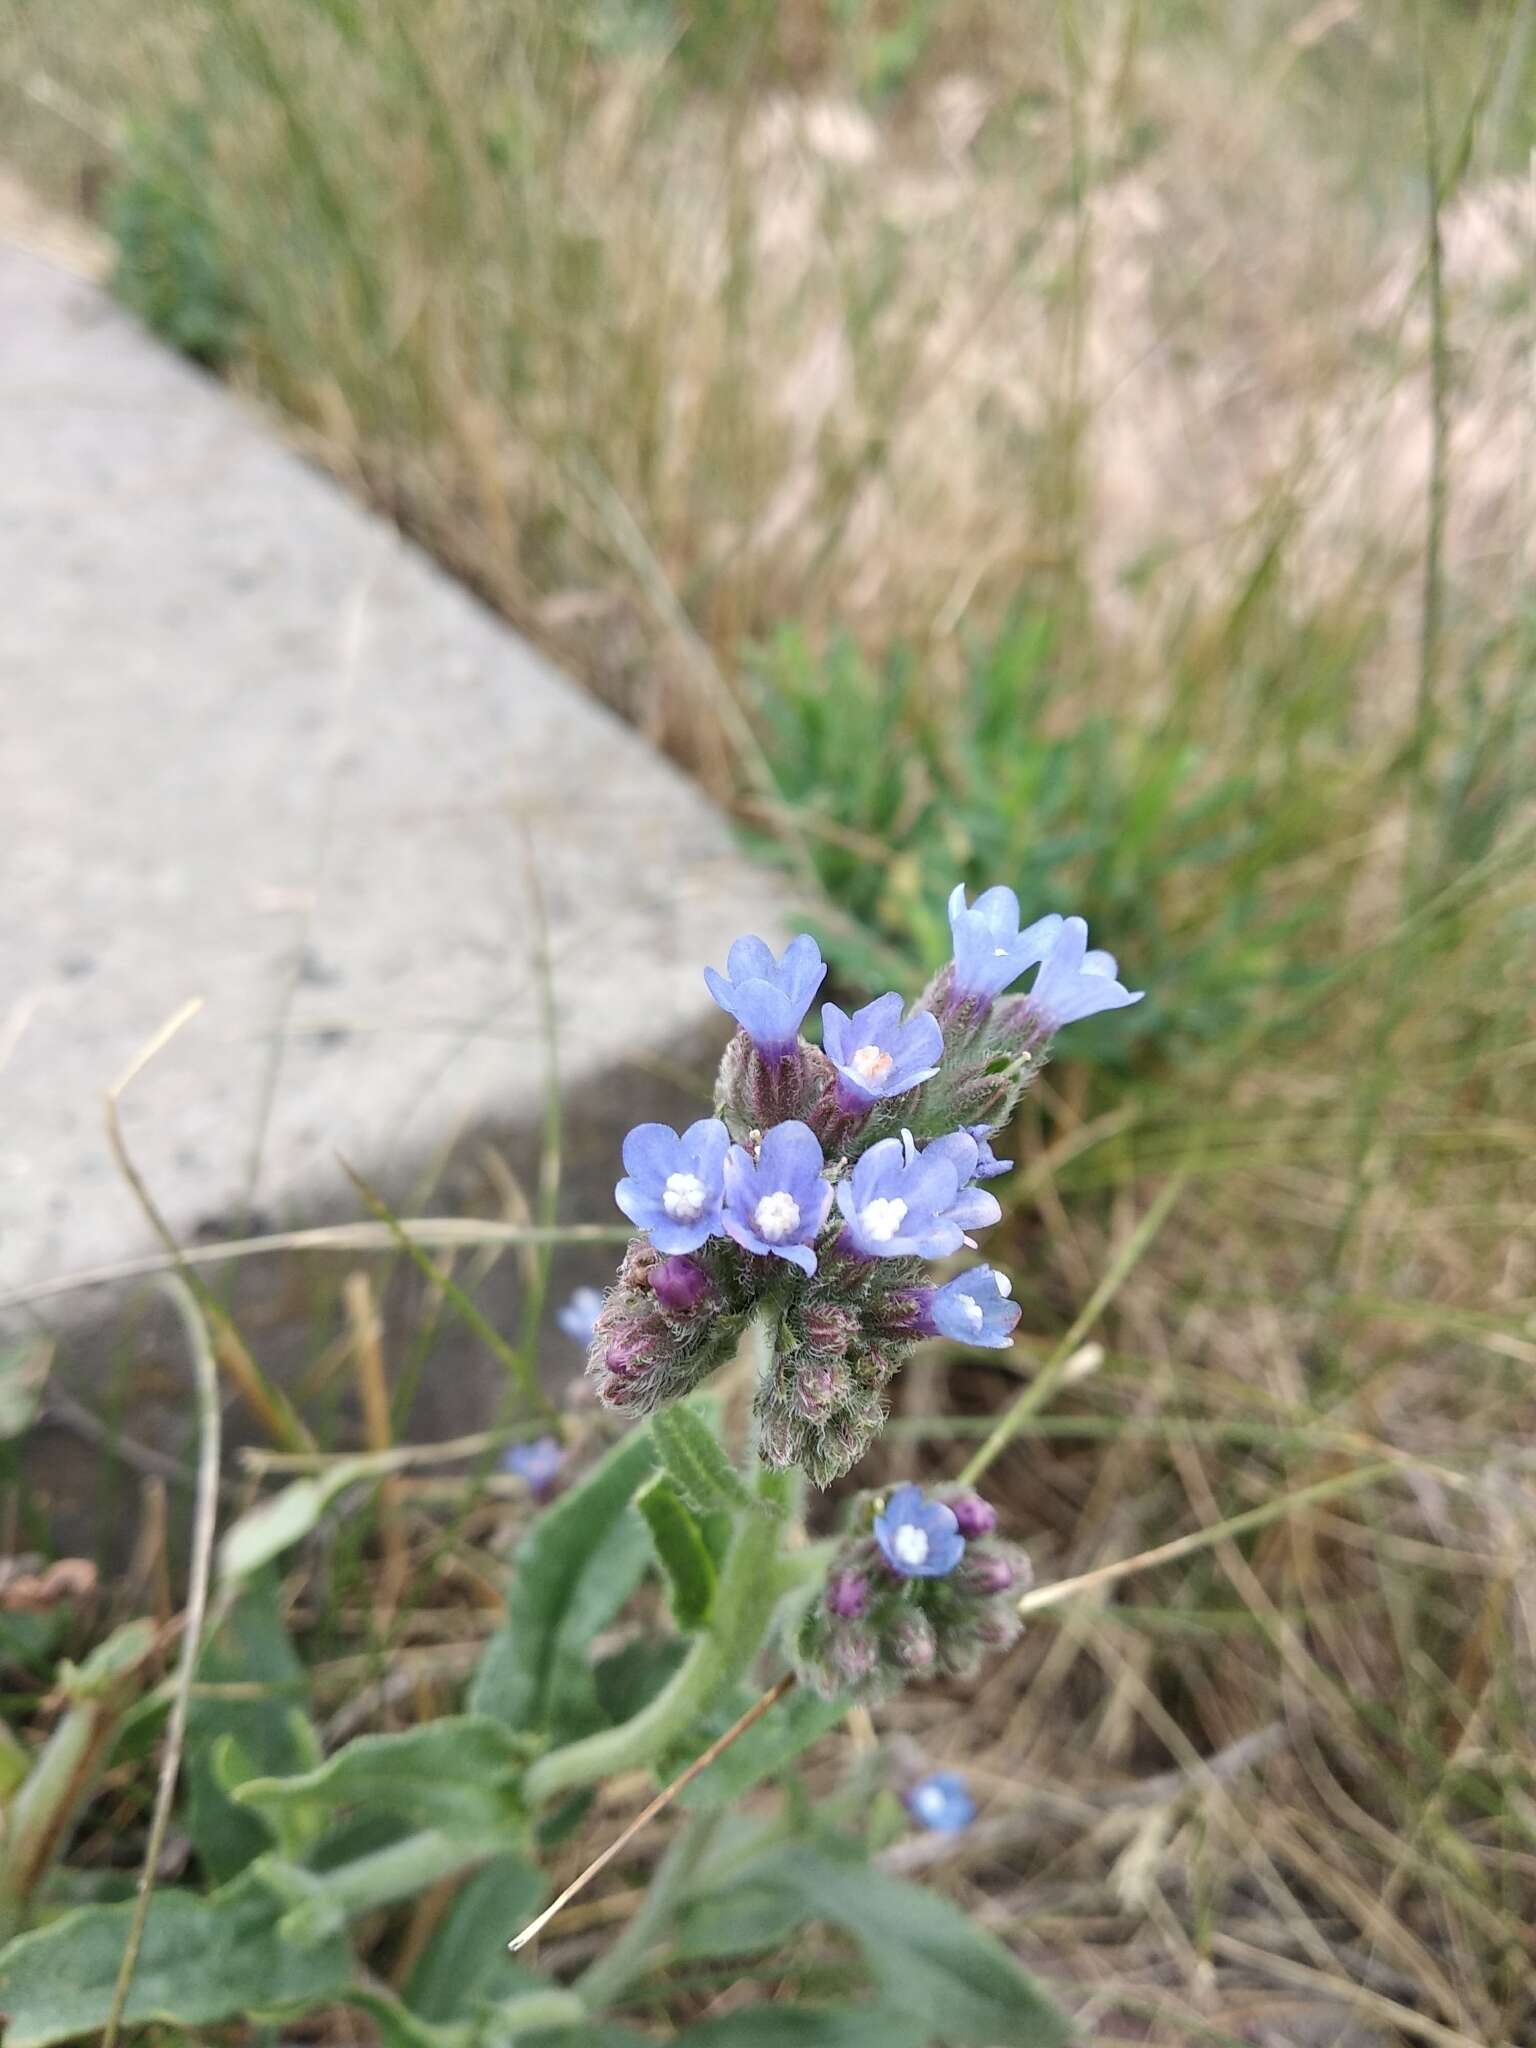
(578, 1316)
(941, 1801)
(537, 1464)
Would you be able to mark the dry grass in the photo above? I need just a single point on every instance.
(1101, 307)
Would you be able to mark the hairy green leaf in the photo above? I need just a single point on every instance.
(699, 1468)
(266, 1736)
(680, 1545)
(952, 1979)
(203, 1961)
(277, 1524)
(812, 2026)
(580, 1563)
(459, 1775)
(466, 1960)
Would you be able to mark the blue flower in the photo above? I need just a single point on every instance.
(675, 1184)
(988, 1165)
(941, 1801)
(974, 1308)
(768, 997)
(876, 1054)
(902, 1203)
(972, 1209)
(990, 950)
(538, 1463)
(578, 1316)
(776, 1204)
(919, 1539)
(1075, 983)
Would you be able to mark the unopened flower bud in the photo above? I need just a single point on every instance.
(828, 1326)
(914, 1643)
(974, 1516)
(852, 1655)
(988, 1573)
(847, 1595)
(680, 1285)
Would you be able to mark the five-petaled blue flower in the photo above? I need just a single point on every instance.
(1075, 983)
(675, 1185)
(578, 1316)
(941, 1801)
(990, 950)
(768, 997)
(877, 1054)
(538, 1463)
(975, 1308)
(776, 1204)
(918, 1538)
(988, 1165)
(902, 1203)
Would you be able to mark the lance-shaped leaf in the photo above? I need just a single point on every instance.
(699, 1468)
(680, 1545)
(580, 1563)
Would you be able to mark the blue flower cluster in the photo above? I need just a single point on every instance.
(828, 1176)
(920, 1586)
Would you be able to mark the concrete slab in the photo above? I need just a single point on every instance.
(258, 749)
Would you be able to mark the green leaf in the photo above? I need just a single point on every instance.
(580, 1563)
(460, 1775)
(630, 1678)
(949, 1978)
(23, 1369)
(277, 1524)
(466, 1960)
(203, 1961)
(263, 1737)
(397, 2027)
(679, 1544)
(699, 1468)
(743, 1920)
(811, 2026)
(766, 1749)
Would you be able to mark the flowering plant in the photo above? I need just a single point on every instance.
(828, 1179)
(813, 1210)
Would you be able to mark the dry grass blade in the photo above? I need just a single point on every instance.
(206, 1381)
(265, 1401)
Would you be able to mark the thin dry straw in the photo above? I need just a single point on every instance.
(647, 1814)
(206, 1377)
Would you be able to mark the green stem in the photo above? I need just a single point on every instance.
(749, 1590)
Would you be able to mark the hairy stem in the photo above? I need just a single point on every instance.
(748, 1592)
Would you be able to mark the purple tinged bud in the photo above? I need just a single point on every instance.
(988, 1574)
(852, 1655)
(914, 1643)
(680, 1285)
(847, 1595)
(973, 1516)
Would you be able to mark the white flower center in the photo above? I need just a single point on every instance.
(776, 1217)
(929, 1801)
(910, 1545)
(881, 1219)
(970, 1311)
(999, 952)
(684, 1197)
(871, 1064)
